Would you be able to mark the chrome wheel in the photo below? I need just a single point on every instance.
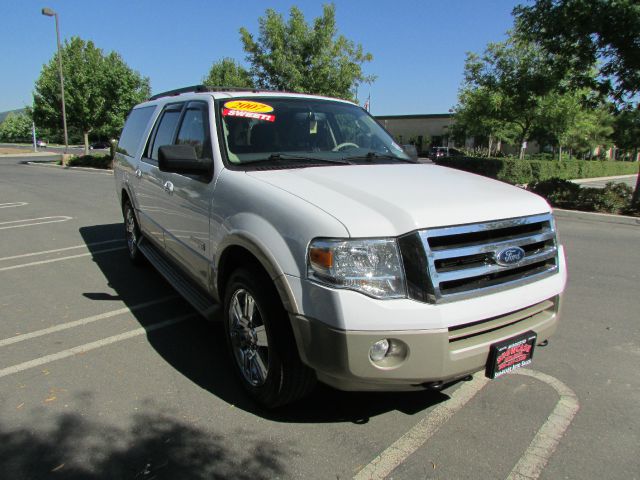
(131, 231)
(248, 337)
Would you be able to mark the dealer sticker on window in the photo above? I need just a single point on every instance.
(511, 354)
(248, 109)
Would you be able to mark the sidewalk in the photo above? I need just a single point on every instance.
(603, 179)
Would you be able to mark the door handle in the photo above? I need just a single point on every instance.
(138, 173)
(168, 187)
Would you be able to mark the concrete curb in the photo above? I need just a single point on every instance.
(598, 217)
(106, 171)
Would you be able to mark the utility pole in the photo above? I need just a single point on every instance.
(50, 13)
(33, 135)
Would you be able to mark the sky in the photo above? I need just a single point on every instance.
(418, 47)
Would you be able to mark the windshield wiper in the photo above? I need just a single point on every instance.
(371, 156)
(281, 156)
(295, 156)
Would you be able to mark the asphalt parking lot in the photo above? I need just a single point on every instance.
(106, 373)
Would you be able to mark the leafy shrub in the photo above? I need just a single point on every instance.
(560, 193)
(528, 171)
(93, 161)
(613, 198)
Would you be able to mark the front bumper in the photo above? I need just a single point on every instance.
(341, 357)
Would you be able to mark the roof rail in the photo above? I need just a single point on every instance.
(206, 88)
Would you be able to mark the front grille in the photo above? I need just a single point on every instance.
(461, 261)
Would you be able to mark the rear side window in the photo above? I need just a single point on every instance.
(133, 130)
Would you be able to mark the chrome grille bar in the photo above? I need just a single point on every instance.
(493, 268)
(492, 247)
(462, 259)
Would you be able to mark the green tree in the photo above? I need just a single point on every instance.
(592, 127)
(627, 136)
(16, 127)
(570, 119)
(99, 90)
(124, 88)
(479, 114)
(227, 73)
(517, 75)
(584, 33)
(626, 133)
(295, 56)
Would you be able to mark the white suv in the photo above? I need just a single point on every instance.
(334, 256)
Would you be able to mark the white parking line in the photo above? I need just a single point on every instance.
(20, 223)
(545, 442)
(44, 252)
(60, 259)
(528, 467)
(401, 449)
(13, 204)
(92, 346)
(82, 321)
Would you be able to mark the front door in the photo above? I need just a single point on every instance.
(153, 201)
(185, 218)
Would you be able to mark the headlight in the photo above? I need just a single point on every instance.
(370, 266)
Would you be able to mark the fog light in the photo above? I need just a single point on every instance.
(379, 349)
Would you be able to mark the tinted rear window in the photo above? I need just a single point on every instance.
(134, 129)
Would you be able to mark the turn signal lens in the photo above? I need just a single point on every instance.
(321, 258)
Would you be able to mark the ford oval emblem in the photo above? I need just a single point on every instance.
(509, 256)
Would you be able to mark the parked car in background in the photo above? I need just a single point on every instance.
(41, 143)
(441, 152)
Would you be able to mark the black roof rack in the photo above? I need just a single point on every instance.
(206, 88)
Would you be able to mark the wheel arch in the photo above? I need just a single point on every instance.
(241, 250)
(125, 194)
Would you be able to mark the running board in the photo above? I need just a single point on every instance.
(178, 280)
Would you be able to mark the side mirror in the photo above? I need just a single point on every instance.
(182, 159)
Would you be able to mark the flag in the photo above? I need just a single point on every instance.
(367, 104)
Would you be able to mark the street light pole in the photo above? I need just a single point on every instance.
(50, 13)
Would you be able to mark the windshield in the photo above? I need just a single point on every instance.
(274, 129)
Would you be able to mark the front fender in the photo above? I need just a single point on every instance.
(267, 245)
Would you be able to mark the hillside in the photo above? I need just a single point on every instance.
(3, 115)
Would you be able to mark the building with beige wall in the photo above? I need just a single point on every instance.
(426, 130)
(432, 130)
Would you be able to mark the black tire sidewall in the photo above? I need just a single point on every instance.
(261, 289)
(136, 255)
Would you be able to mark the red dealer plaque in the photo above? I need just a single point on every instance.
(511, 354)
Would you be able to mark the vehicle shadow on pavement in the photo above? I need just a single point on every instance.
(197, 349)
(154, 446)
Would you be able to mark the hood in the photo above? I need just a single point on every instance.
(389, 200)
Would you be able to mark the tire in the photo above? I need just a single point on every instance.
(261, 343)
(132, 234)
